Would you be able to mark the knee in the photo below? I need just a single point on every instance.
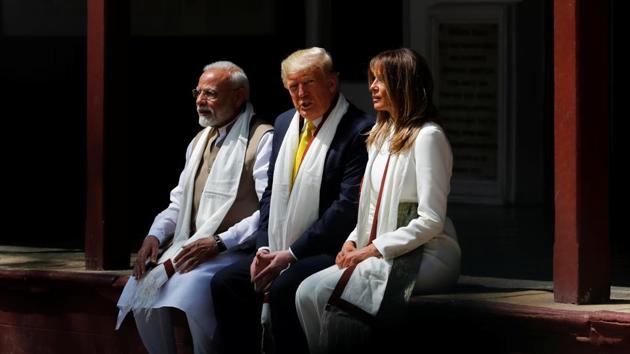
(304, 292)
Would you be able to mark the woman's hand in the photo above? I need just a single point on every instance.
(350, 256)
(347, 247)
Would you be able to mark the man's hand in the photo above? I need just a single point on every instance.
(149, 249)
(354, 257)
(260, 262)
(196, 253)
(267, 266)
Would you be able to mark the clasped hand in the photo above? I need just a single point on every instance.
(266, 267)
(350, 255)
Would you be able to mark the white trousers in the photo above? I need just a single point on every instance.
(439, 270)
(158, 336)
(311, 298)
(189, 292)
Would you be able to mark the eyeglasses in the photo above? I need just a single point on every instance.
(208, 94)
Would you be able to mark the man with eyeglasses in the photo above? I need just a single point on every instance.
(212, 215)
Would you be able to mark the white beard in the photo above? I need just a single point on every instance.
(213, 119)
(204, 122)
(210, 118)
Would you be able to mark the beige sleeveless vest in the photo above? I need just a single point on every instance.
(246, 202)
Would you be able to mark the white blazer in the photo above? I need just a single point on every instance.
(420, 175)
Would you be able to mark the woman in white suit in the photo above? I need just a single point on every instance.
(402, 218)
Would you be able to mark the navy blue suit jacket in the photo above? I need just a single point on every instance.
(339, 194)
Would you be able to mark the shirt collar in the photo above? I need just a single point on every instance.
(319, 120)
(316, 122)
(222, 131)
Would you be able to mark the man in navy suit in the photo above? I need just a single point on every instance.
(306, 213)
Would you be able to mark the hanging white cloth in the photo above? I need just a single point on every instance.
(292, 211)
(218, 196)
(433, 162)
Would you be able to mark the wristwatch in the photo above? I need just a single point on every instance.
(220, 245)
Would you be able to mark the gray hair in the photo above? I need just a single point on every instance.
(303, 59)
(237, 75)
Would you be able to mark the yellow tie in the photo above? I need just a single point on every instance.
(307, 134)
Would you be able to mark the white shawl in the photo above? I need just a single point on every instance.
(218, 196)
(367, 295)
(221, 186)
(291, 212)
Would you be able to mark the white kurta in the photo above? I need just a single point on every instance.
(426, 181)
(190, 292)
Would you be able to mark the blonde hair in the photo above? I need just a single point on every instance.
(303, 59)
(409, 85)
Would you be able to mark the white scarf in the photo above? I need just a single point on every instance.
(218, 196)
(291, 212)
(368, 295)
(221, 186)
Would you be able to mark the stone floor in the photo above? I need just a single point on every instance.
(50, 259)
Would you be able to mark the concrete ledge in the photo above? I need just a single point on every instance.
(49, 303)
(53, 311)
(504, 320)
